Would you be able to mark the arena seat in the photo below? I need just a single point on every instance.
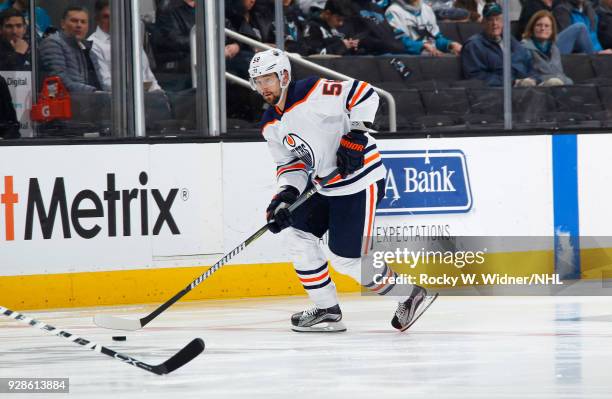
(366, 67)
(430, 84)
(577, 98)
(409, 106)
(183, 104)
(468, 29)
(450, 30)
(441, 68)
(605, 118)
(605, 95)
(602, 64)
(532, 103)
(446, 101)
(486, 101)
(469, 84)
(92, 107)
(157, 111)
(578, 67)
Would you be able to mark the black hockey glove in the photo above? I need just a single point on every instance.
(350, 153)
(278, 211)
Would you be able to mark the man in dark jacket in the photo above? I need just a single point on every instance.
(604, 32)
(251, 21)
(9, 126)
(371, 27)
(322, 35)
(15, 54)
(482, 56)
(171, 39)
(68, 55)
(569, 12)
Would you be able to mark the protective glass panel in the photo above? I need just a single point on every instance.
(72, 88)
(170, 93)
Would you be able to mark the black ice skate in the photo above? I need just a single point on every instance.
(318, 320)
(409, 311)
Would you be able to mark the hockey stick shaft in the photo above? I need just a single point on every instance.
(180, 359)
(226, 258)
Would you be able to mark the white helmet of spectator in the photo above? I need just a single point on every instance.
(267, 62)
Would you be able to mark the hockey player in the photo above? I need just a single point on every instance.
(313, 127)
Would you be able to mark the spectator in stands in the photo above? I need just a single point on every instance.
(482, 56)
(251, 23)
(573, 39)
(9, 125)
(474, 7)
(416, 26)
(539, 38)
(15, 54)
(570, 12)
(312, 8)
(375, 33)
(68, 55)
(101, 47)
(322, 35)
(604, 31)
(171, 42)
(43, 22)
(295, 23)
(172, 49)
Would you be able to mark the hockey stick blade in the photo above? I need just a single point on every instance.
(117, 323)
(181, 358)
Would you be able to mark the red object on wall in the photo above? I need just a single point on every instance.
(53, 103)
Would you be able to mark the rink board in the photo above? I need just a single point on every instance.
(218, 203)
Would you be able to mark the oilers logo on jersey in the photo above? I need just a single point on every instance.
(300, 148)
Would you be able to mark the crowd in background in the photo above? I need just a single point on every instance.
(80, 53)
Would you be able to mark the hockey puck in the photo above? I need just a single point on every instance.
(120, 338)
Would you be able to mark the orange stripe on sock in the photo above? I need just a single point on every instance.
(312, 280)
(383, 285)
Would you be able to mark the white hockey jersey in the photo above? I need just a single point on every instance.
(417, 27)
(305, 136)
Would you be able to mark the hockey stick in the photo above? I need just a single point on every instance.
(118, 323)
(181, 358)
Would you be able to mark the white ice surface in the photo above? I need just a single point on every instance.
(463, 347)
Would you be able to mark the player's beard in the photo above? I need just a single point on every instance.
(272, 100)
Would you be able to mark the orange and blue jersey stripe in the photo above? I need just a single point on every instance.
(359, 92)
(294, 166)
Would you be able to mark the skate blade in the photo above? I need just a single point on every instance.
(424, 306)
(325, 327)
